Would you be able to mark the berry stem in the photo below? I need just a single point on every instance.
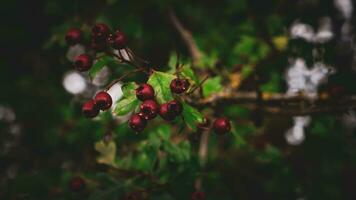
(122, 77)
(199, 85)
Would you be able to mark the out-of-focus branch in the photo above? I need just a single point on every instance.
(279, 103)
(186, 36)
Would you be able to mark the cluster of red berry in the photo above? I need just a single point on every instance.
(101, 101)
(101, 39)
(149, 108)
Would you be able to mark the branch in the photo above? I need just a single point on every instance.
(280, 103)
(187, 37)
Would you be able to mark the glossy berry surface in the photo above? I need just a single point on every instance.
(149, 109)
(117, 40)
(175, 107)
(103, 100)
(77, 184)
(100, 31)
(198, 195)
(137, 123)
(221, 126)
(73, 36)
(90, 109)
(179, 86)
(145, 92)
(83, 62)
(165, 113)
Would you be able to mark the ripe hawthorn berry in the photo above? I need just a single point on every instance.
(100, 31)
(90, 109)
(221, 126)
(103, 100)
(118, 40)
(73, 36)
(175, 107)
(77, 184)
(83, 62)
(179, 86)
(165, 113)
(149, 109)
(198, 195)
(145, 92)
(137, 123)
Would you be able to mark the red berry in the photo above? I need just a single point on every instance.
(198, 195)
(77, 184)
(221, 126)
(179, 86)
(149, 109)
(73, 36)
(117, 40)
(137, 123)
(103, 100)
(100, 30)
(145, 92)
(165, 113)
(83, 62)
(98, 45)
(90, 109)
(175, 107)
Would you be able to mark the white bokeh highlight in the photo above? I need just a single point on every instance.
(74, 82)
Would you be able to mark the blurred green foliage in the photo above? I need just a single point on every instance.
(253, 162)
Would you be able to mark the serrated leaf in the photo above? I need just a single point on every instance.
(128, 89)
(128, 102)
(160, 81)
(192, 116)
(125, 105)
(212, 85)
(99, 64)
(188, 72)
(107, 152)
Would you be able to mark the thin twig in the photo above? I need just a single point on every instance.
(199, 85)
(279, 103)
(187, 38)
(122, 77)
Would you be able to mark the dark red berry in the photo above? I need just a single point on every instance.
(221, 126)
(90, 109)
(145, 92)
(179, 86)
(175, 107)
(137, 123)
(77, 184)
(149, 109)
(165, 113)
(103, 100)
(83, 62)
(73, 36)
(100, 30)
(198, 195)
(117, 40)
(98, 45)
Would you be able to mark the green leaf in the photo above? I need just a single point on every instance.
(128, 89)
(129, 101)
(192, 116)
(99, 64)
(212, 85)
(107, 152)
(188, 72)
(160, 81)
(125, 105)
